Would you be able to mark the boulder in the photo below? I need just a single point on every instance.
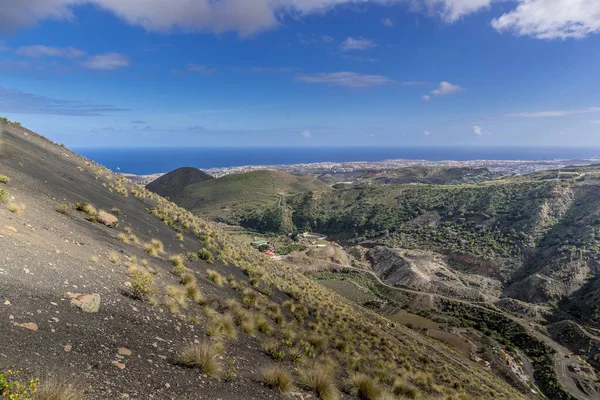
(107, 219)
(87, 302)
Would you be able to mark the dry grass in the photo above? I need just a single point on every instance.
(63, 208)
(205, 356)
(194, 294)
(222, 326)
(113, 257)
(216, 277)
(320, 380)
(4, 179)
(179, 294)
(277, 377)
(16, 208)
(154, 248)
(404, 389)
(57, 389)
(365, 387)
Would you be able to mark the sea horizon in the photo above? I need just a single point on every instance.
(151, 160)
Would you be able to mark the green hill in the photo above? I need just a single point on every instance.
(232, 196)
(170, 185)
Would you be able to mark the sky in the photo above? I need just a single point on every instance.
(148, 73)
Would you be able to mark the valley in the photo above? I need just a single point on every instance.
(507, 259)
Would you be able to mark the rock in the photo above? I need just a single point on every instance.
(124, 351)
(32, 326)
(68, 348)
(107, 219)
(118, 365)
(87, 302)
(7, 303)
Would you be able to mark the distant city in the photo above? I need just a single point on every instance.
(511, 167)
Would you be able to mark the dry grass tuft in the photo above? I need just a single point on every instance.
(16, 208)
(216, 277)
(142, 284)
(320, 380)
(113, 257)
(365, 387)
(277, 377)
(56, 389)
(205, 356)
(154, 248)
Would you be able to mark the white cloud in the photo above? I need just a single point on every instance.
(108, 61)
(307, 134)
(554, 113)
(552, 19)
(202, 69)
(479, 131)
(387, 22)
(347, 79)
(359, 43)
(39, 51)
(445, 88)
(544, 19)
(452, 10)
(427, 133)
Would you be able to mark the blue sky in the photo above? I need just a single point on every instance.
(121, 73)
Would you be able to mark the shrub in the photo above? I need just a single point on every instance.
(123, 237)
(115, 211)
(364, 387)
(4, 179)
(215, 277)
(179, 236)
(320, 380)
(89, 209)
(63, 208)
(279, 378)
(3, 195)
(13, 389)
(205, 356)
(206, 255)
(142, 284)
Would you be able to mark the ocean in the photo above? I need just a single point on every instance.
(143, 161)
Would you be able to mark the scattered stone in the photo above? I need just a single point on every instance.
(118, 364)
(7, 303)
(87, 302)
(32, 326)
(10, 228)
(68, 348)
(107, 219)
(124, 351)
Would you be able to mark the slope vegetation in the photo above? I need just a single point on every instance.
(146, 300)
(229, 197)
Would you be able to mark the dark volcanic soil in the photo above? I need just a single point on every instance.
(45, 254)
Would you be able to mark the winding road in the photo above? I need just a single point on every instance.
(561, 361)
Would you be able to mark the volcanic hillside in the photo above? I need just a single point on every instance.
(144, 300)
(171, 185)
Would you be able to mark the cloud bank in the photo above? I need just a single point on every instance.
(542, 19)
